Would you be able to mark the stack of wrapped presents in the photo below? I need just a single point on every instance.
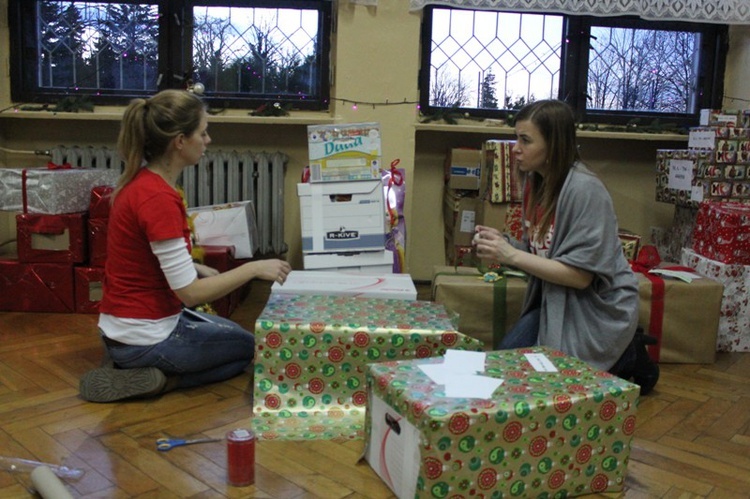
(60, 238)
(709, 184)
(342, 206)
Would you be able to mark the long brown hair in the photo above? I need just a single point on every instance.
(149, 125)
(556, 122)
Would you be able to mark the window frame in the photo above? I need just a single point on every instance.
(174, 52)
(574, 57)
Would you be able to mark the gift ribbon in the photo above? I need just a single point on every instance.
(499, 295)
(656, 318)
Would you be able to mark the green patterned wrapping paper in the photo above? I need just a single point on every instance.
(312, 354)
(543, 434)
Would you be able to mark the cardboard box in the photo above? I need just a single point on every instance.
(689, 319)
(229, 224)
(388, 285)
(555, 427)
(43, 190)
(365, 262)
(486, 310)
(460, 215)
(464, 169)
(342, 216)
(312, 352)
(36, 287)
(88, 289)
(52, 238)
(344, 153)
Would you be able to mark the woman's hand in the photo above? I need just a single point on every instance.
(273, 270)
(490, 244)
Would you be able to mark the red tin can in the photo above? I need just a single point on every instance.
(241, 457)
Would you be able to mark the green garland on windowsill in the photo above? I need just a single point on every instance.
(634, 126)
(449, 116)
(70, 104)
(272, 109)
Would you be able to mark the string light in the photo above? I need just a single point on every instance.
(355, 104)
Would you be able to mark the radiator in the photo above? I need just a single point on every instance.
(219, 177)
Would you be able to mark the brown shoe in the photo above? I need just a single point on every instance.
(110, 385)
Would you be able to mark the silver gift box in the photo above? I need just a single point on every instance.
(52, 191)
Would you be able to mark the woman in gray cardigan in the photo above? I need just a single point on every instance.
(582, 297)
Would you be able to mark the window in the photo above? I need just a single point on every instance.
(244, 52)
(611, 70)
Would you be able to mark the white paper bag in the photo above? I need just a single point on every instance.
(230, 224)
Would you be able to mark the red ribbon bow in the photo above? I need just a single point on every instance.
(55, 166)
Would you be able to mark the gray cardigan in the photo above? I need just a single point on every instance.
(597, 323)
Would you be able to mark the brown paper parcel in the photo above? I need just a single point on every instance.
(464, 291)
(690, 321)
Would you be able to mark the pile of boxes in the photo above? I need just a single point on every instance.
(60, 238)
(342, 207)
(474, 178)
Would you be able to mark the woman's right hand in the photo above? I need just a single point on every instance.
(272, 270)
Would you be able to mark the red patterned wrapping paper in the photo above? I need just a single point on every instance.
(51, 238)
(734, 319)
(514, 221)
(497, 159)
(88, 289)
(222, 259)
(722, 232)
(36, 287)
(97, 237)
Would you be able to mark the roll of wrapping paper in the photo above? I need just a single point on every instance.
(48, 485)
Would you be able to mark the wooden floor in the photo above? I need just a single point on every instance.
(692, 437)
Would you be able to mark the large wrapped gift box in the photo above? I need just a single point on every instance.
(555, 427)
(734, 320)
(36, 287)
(486, 309)
(684, 316)
(497, 161)
(52, 238)
(222, 259)
(51, 191)
(88, 289)
(722, 232)
(315, 282)
(312, 352)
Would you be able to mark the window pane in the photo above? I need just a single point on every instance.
(93, 46)
(256, 50)
(492, 60)
(642, 70)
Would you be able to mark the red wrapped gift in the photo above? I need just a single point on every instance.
(222, 259)
(88, 289)
(97, 237)
(36, 287)
(100, 201)
(722, 232)
(51, 238)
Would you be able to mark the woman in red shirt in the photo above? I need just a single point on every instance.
(155, 343)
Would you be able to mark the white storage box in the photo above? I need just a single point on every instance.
(342, 216)
(366, 262)
(230, 224)
(389, 286)
(344, 152)
(51, 191)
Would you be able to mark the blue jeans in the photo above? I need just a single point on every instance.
(524, 333)
(197, 352)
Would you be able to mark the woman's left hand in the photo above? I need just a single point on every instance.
(492, 245)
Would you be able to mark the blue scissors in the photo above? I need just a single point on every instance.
(165, 444)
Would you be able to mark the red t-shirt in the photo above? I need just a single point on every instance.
(147, 209)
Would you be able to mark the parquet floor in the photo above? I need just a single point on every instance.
(692, 438)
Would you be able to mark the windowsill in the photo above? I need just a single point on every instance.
(233, 116)
(493, 128)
